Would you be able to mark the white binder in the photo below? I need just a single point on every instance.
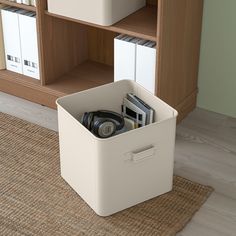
(33, 3)
(11, 36)
(29, 45)
(124, 58)
(27, 2)
(146, 65)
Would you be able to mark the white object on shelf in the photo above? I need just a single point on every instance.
(29, 45)
(124, 170)
(27, 2)
(101, 12)
(33, 3)
(12, 43)
(146, 66)
(124, 58)
(19, 1)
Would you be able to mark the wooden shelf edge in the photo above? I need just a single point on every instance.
(16, 79)
(18, 5)
(130, 33)
(119, 26)
(32, 94)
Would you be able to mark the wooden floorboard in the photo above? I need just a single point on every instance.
(206, 141)
(205, 152)
(29, 111)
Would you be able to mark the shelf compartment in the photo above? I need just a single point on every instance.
(87, 75)
(142, 23)
(18, 5)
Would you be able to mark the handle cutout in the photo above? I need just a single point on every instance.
(143, 154)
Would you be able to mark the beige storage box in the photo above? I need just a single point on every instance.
(101, 12)
(121, 171)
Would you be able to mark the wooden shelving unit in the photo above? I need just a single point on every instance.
(76, 55)
(18, 5)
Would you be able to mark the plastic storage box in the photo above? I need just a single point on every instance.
(101, 12)
(124, 170)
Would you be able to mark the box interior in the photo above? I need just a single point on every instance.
(110, 97)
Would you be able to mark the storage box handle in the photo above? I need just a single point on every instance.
(143, 154)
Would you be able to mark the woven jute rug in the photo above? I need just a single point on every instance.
(34, 199)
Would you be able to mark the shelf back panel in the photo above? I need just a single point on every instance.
(101, 46)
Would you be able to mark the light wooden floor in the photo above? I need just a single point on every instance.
(205, 152)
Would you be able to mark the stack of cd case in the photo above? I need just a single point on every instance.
(137, 111)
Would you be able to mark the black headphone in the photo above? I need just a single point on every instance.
(103, 124)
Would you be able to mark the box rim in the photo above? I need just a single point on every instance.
(175, 113)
